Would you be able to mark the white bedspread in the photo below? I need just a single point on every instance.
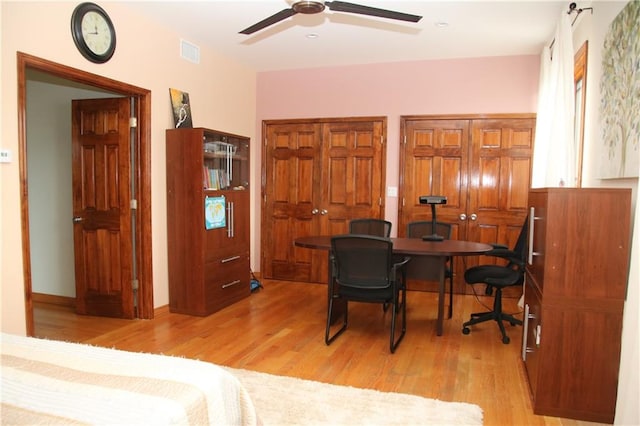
(66, 383)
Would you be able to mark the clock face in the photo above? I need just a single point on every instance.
(96, 33)
(93, 33)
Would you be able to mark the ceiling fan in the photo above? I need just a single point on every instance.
(317, 6)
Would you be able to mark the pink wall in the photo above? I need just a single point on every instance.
(456, 86)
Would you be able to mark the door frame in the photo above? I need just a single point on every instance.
(142, 165)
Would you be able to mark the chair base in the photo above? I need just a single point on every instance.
(496, 315)
(398, 306)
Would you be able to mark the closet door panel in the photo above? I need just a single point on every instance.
(292, 153)
(433, 160)
(482, 164)
(318, 174)
(352, 177)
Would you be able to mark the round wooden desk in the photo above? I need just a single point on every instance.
(425, 255)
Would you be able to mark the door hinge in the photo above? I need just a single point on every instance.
(135, 285)
(405, 139)
(381, 140)
(380, 201)
(133, 204)
(133, 122)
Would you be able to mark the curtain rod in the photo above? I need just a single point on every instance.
(573, 8)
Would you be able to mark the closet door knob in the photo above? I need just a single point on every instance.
(473, 216)
(463, 216)
(314, 211)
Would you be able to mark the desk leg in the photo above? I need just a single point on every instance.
(441, 293)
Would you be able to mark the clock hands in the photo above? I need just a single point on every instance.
(95, 31)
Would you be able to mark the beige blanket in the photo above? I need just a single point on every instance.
(66, 383)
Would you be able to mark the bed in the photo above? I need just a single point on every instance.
(51, 382)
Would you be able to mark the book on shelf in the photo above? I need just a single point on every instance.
(215, 178)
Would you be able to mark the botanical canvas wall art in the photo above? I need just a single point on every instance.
(620, 94)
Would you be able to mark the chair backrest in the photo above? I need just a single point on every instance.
(516, 256)
(362, 261)
(521, 243)
(420, 228)
(377, 227)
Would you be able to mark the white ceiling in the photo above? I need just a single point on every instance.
(476, 28)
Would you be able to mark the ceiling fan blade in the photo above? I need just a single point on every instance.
(341, 6)
(273, 19)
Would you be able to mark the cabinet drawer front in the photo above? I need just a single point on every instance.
(531, 332)
(227, 280)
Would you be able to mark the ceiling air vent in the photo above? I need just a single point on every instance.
(189, 51)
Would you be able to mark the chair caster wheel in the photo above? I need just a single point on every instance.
(466, 330)
(506, 340)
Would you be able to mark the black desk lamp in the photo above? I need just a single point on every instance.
(433, 200)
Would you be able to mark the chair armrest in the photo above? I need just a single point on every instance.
(399, 265)
(502, 252)
(509, 255)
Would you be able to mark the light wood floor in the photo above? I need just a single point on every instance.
(280, 330)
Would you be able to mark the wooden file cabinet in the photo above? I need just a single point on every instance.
(574, 295)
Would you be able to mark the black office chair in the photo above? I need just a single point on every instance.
(377, 227)
(499, 277)
(362, 270)
(420, 228)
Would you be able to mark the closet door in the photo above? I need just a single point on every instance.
(318, 175)
(481, 164)
(500, 177)
(434, 159)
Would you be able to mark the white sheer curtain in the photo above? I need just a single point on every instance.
(554, 152)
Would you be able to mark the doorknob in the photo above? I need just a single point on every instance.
(463, 216)
(314, 211)
(77, 219)
(324, 211)
(473, 216)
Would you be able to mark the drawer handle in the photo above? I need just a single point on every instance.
(230, 259)
(525, 327)
(231, 283)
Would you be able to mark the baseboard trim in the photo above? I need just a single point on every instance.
(53, 299)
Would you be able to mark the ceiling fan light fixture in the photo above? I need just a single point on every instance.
(308, 6)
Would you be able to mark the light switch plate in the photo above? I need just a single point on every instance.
(392, 191)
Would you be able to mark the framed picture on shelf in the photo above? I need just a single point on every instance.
(181, 109)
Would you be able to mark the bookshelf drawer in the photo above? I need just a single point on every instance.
(227, 280)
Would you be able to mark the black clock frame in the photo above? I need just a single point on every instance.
(76, 31)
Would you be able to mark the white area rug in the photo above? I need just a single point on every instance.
(284, 401)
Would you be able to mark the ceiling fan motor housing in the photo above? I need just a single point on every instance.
(308, 6)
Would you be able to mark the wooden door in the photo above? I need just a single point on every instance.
(318, 174)
(434, 160)
(352, 174)
(483, 167)
(500, 177)
(101, 207)
(291, 198)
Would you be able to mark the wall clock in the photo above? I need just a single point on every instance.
(93, 32)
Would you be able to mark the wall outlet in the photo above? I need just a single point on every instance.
(5, 156)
